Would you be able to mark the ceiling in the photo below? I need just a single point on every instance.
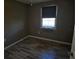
(32, 1)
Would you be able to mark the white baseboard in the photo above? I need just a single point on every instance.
(16, 42)
(60, 42)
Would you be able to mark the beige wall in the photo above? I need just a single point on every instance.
(64, 22)
(15, 21)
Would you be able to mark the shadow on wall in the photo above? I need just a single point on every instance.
(15, 21)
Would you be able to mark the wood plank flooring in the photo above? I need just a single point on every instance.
(32, 48)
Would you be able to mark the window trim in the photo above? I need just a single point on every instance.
(55, 19)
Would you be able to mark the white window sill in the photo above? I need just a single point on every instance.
(49, 28)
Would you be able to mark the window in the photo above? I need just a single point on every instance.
(48, 17)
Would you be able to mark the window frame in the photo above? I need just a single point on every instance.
(55, 19)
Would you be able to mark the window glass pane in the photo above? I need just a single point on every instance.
(48, 22)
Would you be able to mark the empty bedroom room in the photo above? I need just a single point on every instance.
(38, 29)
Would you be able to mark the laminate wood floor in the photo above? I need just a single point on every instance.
(32, 48)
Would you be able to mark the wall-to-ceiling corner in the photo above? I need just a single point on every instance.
(15, 21)
(64, 22)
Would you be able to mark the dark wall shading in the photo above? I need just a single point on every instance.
(64, 20)
(15, 21)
